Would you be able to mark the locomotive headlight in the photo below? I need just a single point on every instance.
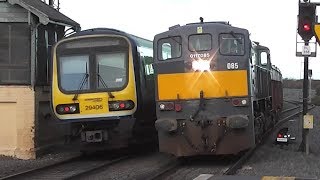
(73, 108)
(244, 102)
(201, 65)
(162, 106)
(68, 108)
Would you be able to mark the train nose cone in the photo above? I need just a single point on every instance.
(166, 125)
(237, 121)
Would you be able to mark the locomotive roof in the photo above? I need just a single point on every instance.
(95, 31)
(191, 28)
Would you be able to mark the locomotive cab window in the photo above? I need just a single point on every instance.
(231, 44)
(169, 48)
(73, 70)
(112, 70)
(200, 42)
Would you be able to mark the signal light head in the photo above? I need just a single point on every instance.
(306, 27)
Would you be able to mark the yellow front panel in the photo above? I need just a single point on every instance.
(214, 84)
(94, 105)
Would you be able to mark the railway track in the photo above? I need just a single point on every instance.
(286, 115)
(72, 168)
(284, 118)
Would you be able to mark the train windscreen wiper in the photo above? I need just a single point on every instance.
(100, 79)
(173, 38)
(235, 37)
(83, 81)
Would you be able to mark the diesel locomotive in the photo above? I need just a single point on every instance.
(216, 91)
(103, 88)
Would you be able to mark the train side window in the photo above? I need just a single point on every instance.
(200, 42)
(264, 58)
(169, 48)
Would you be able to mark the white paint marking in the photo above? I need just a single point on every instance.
(203, 177)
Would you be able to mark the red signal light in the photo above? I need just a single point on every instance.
(178, 107)
(236, 102)
(279, 135)
(306, 27)
(66, 109)
(122, 105)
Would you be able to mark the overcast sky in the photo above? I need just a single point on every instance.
(271, 22)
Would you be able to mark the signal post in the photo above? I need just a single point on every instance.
(306, 21)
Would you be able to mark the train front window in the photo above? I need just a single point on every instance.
(73, 69)
(231, 44)
(169, 48)
(112, 70)
(200, 42)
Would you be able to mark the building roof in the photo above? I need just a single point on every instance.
(46, 13)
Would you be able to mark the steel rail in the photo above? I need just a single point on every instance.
(233, 169)
(33, 170)
(97, 168)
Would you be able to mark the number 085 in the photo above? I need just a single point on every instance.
(232, 66)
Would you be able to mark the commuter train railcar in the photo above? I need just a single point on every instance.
(103, 86)
(216, 90)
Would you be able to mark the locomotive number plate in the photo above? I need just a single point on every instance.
(94, 107)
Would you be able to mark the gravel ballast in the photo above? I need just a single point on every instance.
(276, 160)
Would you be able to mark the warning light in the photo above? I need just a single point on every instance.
(279, 135)
(306, 19)
(307, 27)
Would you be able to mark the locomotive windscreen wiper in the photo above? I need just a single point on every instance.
(103, 82)
(83, 81)
(235, 37)
(171, 37)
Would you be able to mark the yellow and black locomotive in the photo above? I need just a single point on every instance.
(103, 86)
(216, 90)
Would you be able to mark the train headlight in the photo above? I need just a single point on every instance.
(240, 102)
(166, 106)
(162, 106)
(244, 102)
(68, 109)
(201, 65)
(73, 108)
(121, 105)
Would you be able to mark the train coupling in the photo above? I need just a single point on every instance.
(94, 136)
(166, 125)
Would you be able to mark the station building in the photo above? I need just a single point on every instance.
(28, 30)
